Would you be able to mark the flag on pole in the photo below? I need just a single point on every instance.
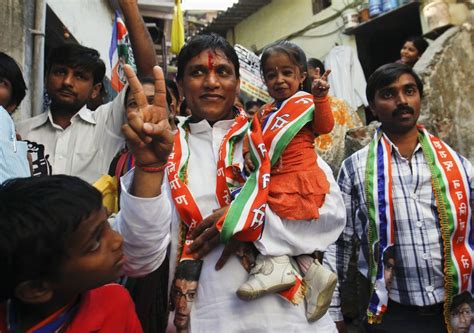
(120, 52)
(177, 28)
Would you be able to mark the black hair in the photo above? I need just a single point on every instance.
(316, 63)
(294, 52)
(188, 270)
(78, 56)
(251, 104)
(10, 70)
(464, 297)
(173, 88)
(419, 42)
(387, 74)
(148, 80)
(201, 43)
(38, 215)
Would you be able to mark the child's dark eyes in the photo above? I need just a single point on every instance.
(4, 82)
(132, 104)
(270, 75)
(97, 238)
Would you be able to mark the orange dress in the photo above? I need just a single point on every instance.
(298, 186)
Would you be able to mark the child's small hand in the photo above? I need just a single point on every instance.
(249, 167)
(320, 85)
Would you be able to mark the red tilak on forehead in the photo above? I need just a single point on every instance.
(210, 60)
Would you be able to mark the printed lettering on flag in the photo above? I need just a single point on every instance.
(120, 52)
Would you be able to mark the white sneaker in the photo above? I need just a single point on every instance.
(320, 284)
(270, 275)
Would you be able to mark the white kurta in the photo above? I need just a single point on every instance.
(148, 224)
(347, 79)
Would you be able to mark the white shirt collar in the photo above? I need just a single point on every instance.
(84, 113)
(203, 126)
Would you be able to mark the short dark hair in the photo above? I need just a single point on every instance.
(251, 104)
(188, 270)
(78, 56)
(201, 43)
(419, 42)
(172, 87)
(38, 215)
(10, 70)
(386, 74)
(316, 63)
(294, 52)
(464, 297)
(147, 80)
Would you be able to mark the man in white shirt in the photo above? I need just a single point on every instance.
(208, 73)
(69, 137)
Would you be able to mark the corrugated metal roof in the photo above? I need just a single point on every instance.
(232, 16)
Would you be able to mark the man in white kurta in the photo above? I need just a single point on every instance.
(150, 224)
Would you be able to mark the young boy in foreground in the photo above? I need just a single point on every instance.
(58, 254)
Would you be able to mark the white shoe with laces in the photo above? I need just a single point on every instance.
(320, 284)
(270, 275)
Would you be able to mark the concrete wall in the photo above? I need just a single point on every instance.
(447, 72)
(90, 21)
(281, 18)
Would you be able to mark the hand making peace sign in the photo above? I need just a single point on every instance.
(320, 85)
(147, 131)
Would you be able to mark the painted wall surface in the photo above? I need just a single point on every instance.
(90, 21)
(281, 18)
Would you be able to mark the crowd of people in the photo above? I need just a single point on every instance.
(228, 218)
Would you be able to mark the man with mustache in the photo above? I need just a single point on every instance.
(406, 193)
(76, 140)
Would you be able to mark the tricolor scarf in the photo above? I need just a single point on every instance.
(245, 217)
(452, 193)
(227, 176)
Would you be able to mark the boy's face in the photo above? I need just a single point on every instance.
(94, 256)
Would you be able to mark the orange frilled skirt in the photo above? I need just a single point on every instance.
(298, 186)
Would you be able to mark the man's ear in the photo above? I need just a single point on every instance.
(34, 292)
(96, 90)
(180, 89)
(237, 88)
(372, 109)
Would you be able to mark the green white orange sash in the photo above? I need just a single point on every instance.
(452, 193)
(245, 217)
(177, 174)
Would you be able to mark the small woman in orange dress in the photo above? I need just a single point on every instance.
(297, 186)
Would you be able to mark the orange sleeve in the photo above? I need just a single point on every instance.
(323, 119)
(246, 145)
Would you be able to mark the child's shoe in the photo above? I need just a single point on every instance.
(270, 275)
(320, 284)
